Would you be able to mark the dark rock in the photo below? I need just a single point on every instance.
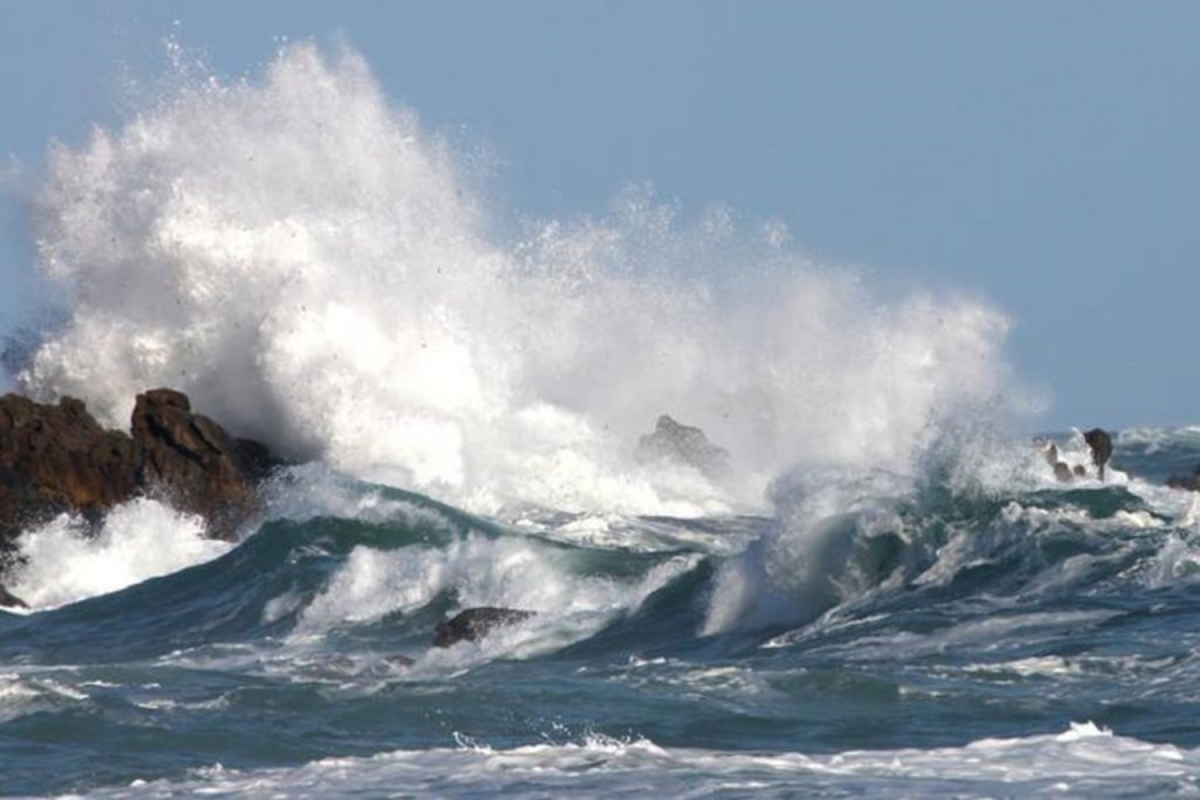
(10, 600)
(56, 458)
(1101, 444)
(1188, 482)
(685, 444)
(475, 623)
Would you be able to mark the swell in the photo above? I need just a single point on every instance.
(320, 576)
(384, 584)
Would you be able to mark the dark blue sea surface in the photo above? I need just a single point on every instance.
(935, 641)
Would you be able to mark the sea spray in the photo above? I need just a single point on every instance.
(311, 266)
(62, 562)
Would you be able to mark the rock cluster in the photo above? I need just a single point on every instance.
(1099, 442)
(57, 458)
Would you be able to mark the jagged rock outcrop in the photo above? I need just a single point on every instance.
(683, 443)
(475, 623)
(193, 462)
(56, 458)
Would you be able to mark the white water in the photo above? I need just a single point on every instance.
(137, 541)
(1082, 761)
(317, 270)
(508, 572)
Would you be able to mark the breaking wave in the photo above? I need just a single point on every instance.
(319, 271)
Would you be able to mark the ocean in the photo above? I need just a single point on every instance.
(882, 590)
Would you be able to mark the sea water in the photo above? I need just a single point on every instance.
(886, 592)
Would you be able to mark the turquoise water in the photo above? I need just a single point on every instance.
(930, 642)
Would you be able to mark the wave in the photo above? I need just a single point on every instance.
(908, 611)
(1083, 760)
(317, 270)
(393, 569)
(377, 567)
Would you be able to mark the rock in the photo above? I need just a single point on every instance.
(475, 623)
(56, 458)
(1188, 482)
(10, 600)
(192, 461)
(1101, 444)
(685, 444)
(1062, 470)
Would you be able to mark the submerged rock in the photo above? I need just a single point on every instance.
(475, 623)
(683, 443)
(56, 458)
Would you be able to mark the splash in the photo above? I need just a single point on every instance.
(510, 573)
(63, 563)
(318, 271)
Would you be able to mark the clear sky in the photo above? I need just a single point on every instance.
(1042, 154)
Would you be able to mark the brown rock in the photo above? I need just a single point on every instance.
(193, 462)
(56, 458)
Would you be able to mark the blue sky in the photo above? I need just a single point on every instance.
(1041, 154)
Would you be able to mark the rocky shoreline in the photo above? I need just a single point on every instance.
(58, 459)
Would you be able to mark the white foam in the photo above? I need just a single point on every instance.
(1033, 666)
(138, 540)
(975, 635)
(22, 695)
(1154, 439)
(1176, 561)
(315, 269)
(1084, 760)
(508, 572)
